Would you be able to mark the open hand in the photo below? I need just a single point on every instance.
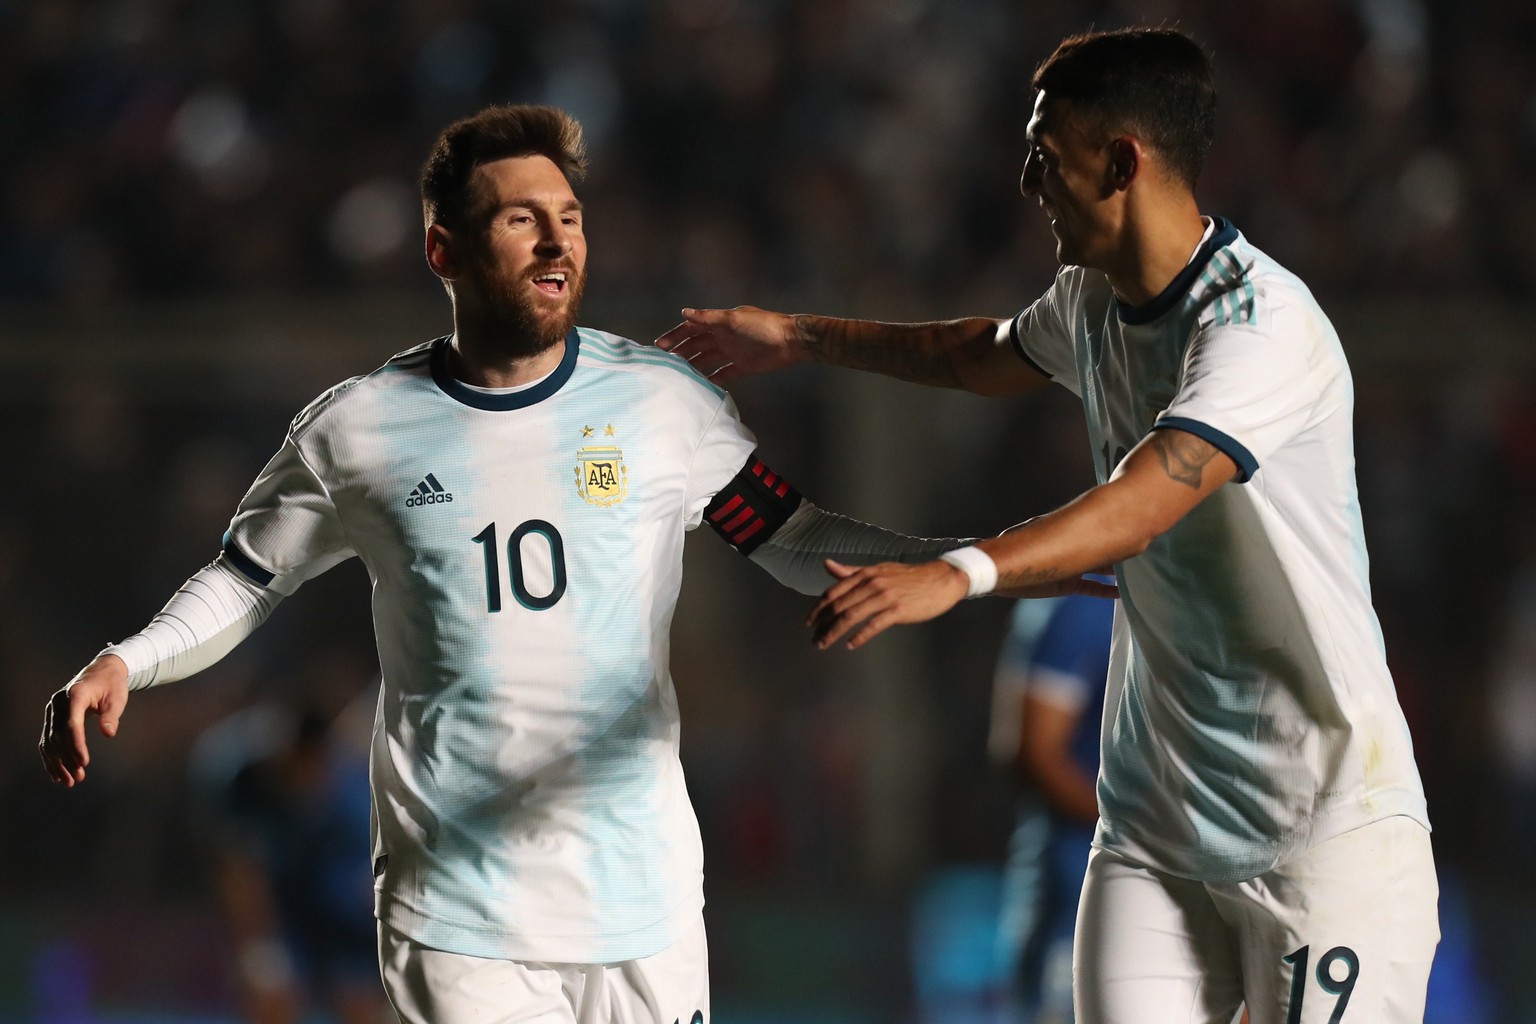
(729, 344)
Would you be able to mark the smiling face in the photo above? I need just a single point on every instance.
(1070, 174)
(522, 254)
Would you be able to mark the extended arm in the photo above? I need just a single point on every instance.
(1158, 483)
(797, 552)
(202, 622)
(973, 354)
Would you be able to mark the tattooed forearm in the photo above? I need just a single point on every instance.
(1029, 576)
(1183, 455)
(920, 353)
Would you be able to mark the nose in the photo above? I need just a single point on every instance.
(555, 239)
(1029, 180)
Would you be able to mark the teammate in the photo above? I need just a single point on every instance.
(519, 492)
(1262, 825)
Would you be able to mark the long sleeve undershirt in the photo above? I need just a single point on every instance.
(203, 621)
(796, 551)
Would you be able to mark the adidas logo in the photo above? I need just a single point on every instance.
(428, 492)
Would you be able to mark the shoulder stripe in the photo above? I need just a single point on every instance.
(311, 412)
(1247, 311)
(676, 364)
(411, 359)
(1228, 289)
(599, 338)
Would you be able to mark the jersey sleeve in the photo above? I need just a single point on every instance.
(1041, 336)
(725, 448)
(1245, 390)
(287, 529)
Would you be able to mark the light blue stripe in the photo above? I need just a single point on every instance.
(1213, 280)
(1247, 309)
(674, 364)
(1229, 289)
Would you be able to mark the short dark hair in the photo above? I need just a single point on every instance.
(495, 133)
(1154, 82)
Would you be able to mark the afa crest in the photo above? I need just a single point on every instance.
(602, 478)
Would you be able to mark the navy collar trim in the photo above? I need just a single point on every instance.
(1222, 234)
(456, 390)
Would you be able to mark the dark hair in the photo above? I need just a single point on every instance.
(1153, 82)
(495, 133)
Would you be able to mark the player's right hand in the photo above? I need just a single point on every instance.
(101, 688)
(729, 344)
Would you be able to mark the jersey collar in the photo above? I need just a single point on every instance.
(456, 390)
(1223, 234)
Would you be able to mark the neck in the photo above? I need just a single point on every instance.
(1154, 248)
(475, 358)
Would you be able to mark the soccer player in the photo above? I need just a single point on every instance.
(1262, 825)
(1048, 700)
(285, 810)
(519, 491)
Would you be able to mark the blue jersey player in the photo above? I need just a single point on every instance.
(1048, 709)
(1262, 830)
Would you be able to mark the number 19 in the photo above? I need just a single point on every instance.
(1341, 988)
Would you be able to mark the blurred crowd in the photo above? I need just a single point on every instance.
(811, 147)
(836, 155)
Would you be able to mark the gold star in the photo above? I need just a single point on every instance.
(608, 430)
(586, 431)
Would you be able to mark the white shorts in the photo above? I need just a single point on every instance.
(1344, 933)
(430, 986)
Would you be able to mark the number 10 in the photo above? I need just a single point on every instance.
(487, 538)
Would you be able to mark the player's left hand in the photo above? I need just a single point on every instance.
(872, 598)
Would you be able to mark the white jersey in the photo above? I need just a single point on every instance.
(525, 550)
(1250, 714)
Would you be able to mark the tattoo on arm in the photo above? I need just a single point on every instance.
(913, 352)
(1183, 455)
(1028, 577)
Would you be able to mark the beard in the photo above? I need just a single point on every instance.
(515, 323)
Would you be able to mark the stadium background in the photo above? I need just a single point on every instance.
(207, 215)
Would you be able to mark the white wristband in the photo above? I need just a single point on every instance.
(977, 566)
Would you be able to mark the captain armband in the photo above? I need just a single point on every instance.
(752, 506)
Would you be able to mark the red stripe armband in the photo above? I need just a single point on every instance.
(752, 506)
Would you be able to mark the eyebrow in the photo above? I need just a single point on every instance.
(528, 202)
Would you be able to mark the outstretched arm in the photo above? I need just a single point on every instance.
(972, 354)
(203, 621)
(797, 552)
(1158, 483)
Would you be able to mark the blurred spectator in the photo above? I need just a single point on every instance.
(1049, 706)
(285, 811)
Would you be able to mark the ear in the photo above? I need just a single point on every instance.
(1125, 162)
(442, 255)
